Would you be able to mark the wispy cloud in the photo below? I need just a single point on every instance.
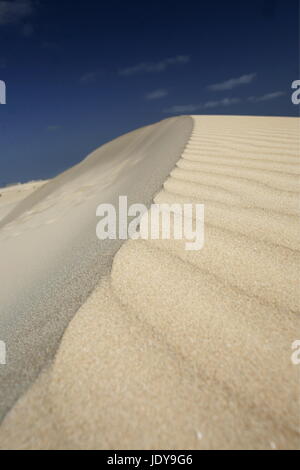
(191, 108)
(89, 77)
(27, 30)
(14, 11)
(182, 109)
(156, 94)
(53, 128)
(267, 97)
(52, 46)
(233, 83)
(224, 102)
(161, 66)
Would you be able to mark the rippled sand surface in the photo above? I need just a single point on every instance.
(178, 349)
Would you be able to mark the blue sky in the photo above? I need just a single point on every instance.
(79, 73)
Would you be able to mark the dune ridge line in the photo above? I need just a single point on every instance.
(177, 349)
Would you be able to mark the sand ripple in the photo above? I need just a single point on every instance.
(182, 349)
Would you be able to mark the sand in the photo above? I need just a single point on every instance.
(51, 259)
(12, 195)
(177, 349)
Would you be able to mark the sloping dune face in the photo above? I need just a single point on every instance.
(178, 349)
(51, 259)
(11, 196)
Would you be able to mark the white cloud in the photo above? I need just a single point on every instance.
(27, 30)
(52, 46)
(148, 67)
(233, 83)
(267, 97)
(182, 109)
(156, 94)
(89, 77)
(15, 11)
(53, 128)
(191, 108)
(224, 102)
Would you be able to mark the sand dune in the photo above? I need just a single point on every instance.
(11, 196)
(51, 259)
(177, 349)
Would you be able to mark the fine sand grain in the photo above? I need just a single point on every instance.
(189, 350)
(12, 195)
(51, 259)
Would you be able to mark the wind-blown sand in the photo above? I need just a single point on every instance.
(178, 349)
(51, 259)
(12, 195)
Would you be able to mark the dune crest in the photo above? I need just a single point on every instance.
(178, 349)
(12, 195)
(50, 256)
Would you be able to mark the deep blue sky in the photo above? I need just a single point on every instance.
(79, 73)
